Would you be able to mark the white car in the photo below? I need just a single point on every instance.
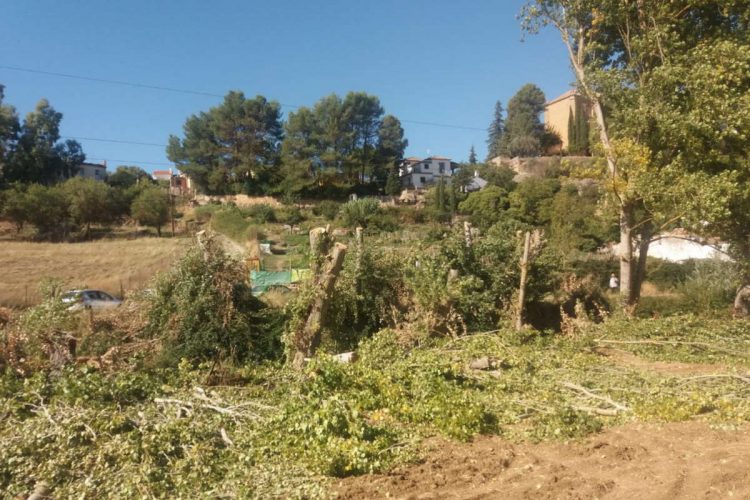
(89, 299)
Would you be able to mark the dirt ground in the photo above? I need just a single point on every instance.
(641, 461)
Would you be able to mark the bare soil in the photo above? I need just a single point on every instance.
(670, 368)
(641, 461)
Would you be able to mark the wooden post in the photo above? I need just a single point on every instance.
(467, 233)
(307, 337)
(522, 285)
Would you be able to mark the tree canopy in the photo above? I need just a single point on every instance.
(232, 147)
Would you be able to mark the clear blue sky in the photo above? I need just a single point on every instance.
(438, 61)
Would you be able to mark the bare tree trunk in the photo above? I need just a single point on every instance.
(626, 210)
(626, 255)
(639, 276)
(522, 285)
(307, 338)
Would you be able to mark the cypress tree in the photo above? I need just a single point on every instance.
(582, 129)
(572, 132)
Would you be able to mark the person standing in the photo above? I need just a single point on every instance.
(614, 283)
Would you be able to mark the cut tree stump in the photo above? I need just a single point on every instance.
(307, 337)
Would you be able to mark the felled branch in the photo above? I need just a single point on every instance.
(582, 390)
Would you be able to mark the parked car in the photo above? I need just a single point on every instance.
(89, 299)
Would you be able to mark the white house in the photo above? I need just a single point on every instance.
(417, 173)
(94, 171)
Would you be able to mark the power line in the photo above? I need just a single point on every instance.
(113, 82)
(195, 92)
(117, 141)
(131, 162)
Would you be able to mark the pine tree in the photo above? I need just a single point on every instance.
(472, 156)
(495, 132)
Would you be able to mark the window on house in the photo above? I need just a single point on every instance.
(423, 180)
(426, 165)
(442, 166)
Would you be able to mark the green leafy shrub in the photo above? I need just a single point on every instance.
(204, 310)
(261, 213)
(710, 287)
(359, 212)
(230, 222)
(204, 213)
(668, 275)
(289, 215)
(327, 208)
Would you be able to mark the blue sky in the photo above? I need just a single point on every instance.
(437, 61)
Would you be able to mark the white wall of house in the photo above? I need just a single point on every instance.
(92, 171)
(679, 249)
(425, 172)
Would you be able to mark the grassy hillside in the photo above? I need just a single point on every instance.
(100, 264)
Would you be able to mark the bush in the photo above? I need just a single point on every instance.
(668, 275)
(204, 310)
(205, 212)
(327, 208)
(230, 222)
(360, 212)
(289, 215)
(261, 213)
(710, 287)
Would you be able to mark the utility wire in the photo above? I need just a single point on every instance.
(117, 141)
(131, 162)
(194, 92)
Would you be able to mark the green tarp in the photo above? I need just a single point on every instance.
(261, 281)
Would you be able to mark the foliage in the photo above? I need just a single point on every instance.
(360, 212)
(327, 208)
(289, 215)
(151, 208)
(90, 201)
(48, 210)
(32, 152)
(277, 434)
(204, 309)
(347, 138)
(578, 130)
(128, 176)
(531, 201)
(710, 287)
(261, 213)
(485, 207)
(495, 133)
(393, 183)
(523, 131)
(230, 221)
(231, 147)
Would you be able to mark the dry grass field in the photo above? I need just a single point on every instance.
(104, 264)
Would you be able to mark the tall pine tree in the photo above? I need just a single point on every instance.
(472, 156)
(495, 132)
